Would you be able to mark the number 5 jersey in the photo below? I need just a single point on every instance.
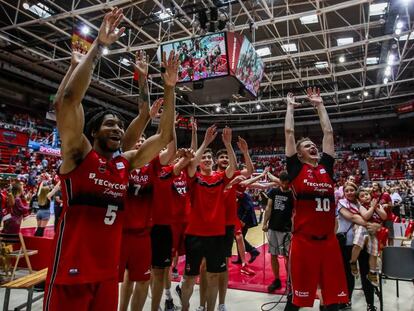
(87, 244)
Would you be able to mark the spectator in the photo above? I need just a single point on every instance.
(16, 207)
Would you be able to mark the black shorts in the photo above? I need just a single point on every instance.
(199, 247)
(228, 240)
(161, 245)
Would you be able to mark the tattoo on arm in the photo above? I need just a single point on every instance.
(143, 92)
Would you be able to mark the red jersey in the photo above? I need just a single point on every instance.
(313, 191)
(230, 203)
(384, 198)
(375, 216)
(138, 202)
(170, 196)
(208, 214)
(88, 242)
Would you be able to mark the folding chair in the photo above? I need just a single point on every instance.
(398, 265)
(7, 238)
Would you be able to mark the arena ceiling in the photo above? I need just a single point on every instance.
(360, 53)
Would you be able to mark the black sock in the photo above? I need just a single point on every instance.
(333, 307)
(291, 307)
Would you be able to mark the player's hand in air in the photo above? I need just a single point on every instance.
(77, 54)
(227, 136)
(171, 65)
(291, 100)
(155, 110)
(210, 135)
(141, 64)
(109, 33)
(242, 145)
(314, 96)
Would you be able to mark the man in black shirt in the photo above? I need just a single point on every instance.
(278, 223)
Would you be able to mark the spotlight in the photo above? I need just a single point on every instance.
(26, 5)
(233, 109)
(399, 25)
(341, 59)
(387, 71)
(365, 94)
(85, 29)
(105, 51)
(258, 107)
(398, 31)
(391, 59)
(218, 108)
(348, 96)
(385, 80)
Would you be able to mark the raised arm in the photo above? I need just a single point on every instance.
(194, 142)
(210, 135)
(185, 157)
(290, 143)
(53, 191)
(252, 180)
(355, 218)
(226, 137)
(314, 95)
(69, 111)
(381, 211)
(167, 154)
(138, 125)
(273, 178)
(367, 213)
(244, 148)
(153, 145)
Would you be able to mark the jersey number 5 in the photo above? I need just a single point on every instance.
(323, 205)
(110, 215)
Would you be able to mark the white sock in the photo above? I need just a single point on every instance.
(168, 294)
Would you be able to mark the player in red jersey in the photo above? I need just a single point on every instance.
(135, 260)
(206, 226)
(232, 220)
(83, 274)
(315, 257)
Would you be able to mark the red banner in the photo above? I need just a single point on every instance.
(13, 138)
(405, 108)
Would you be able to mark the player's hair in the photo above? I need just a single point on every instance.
(301, 141)
(284, 176)
(351, 184)
(220, 152)
(208, 150)
(95, 118)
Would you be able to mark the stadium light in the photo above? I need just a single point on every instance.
(218, 109)
(258, 107)
(372, 60)
(321, 65)
(344, 41)
(309, 19)
(263, 51)
(387, 71)
(385, 80)
(398, 31)
(291, 47)
(233, 109)
(391, 59)
(378, 9)
(348, 96)
(105, 51)
(26, 5)
(365, 94)
(399, 25)
(85, 29)
(341, 59)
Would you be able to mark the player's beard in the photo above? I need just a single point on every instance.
(104, 144)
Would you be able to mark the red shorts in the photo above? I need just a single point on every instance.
(135, 256)
(82, 297)
(313, 263)
(178, 231)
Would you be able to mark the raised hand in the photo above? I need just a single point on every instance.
(242, 145)
(189, 153)
(170, 67)
(210, 135)
(193, 123)
(141, 63)
(154, 112)
(314, 95)
(227, 136)
(77, 54)
(291, 100)
(108, 32)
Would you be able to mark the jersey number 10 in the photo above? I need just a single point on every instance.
(323, 205)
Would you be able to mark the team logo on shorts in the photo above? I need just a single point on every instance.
(73, 271)
(301, 294)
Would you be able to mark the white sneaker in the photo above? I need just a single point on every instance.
(200, 308)
(222, 308)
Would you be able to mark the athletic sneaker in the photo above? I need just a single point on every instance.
(354, 268)
(373, 278)
(200, 308)
(276, 284)
(371, 308)
(174, 273)
(222, 307)
(345, 306)
(178, 291)
(253, 255)
(247, 271)
(169, 305)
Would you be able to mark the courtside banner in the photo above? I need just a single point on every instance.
(13, 138)
(49, 151)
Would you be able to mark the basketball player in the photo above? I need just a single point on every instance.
(230, 204)
(83, 274)
(277, 222)
(206, 227)
(315, 257)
